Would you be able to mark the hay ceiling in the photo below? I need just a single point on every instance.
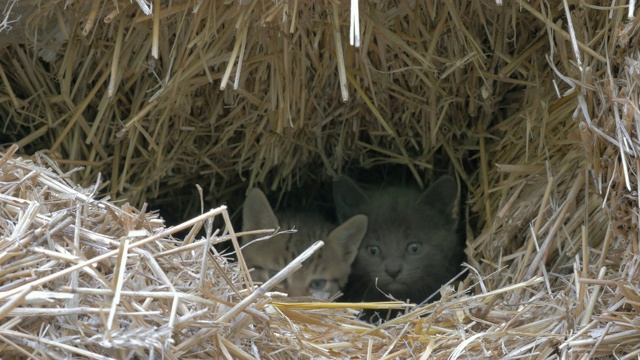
(140, 99)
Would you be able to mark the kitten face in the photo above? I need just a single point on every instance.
(411, 247)
(325, 272)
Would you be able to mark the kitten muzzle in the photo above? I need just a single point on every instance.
(393, 268)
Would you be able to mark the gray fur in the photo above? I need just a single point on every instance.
(411, 246)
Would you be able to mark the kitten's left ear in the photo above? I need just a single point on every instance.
(442, 195)
(348, 236)
(348, 197)
(257, 213)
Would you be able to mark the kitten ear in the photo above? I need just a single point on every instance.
(348, 236)
(441, 195)
(348, 198)
(257, 213)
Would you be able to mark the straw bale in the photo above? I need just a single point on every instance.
(534, 106)
(82, 276)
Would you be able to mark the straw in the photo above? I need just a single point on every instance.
(532, 105)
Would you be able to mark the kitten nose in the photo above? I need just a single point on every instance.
(393, 268)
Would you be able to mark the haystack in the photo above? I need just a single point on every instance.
(533, 105)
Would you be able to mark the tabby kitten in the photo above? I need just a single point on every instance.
(325, 272)
(411, 246)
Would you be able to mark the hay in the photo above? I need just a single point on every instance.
(533, 105)
(82, 276)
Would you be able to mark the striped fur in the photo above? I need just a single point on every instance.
(325, 272)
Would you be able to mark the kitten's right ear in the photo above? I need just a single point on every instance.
(348, 197)
(257, 213)
(348, 237)
(441, 195)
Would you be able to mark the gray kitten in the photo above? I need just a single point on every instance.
(411, 246)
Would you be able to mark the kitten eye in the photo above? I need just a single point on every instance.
(318, 284)
(414, 248)
(373, 250)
